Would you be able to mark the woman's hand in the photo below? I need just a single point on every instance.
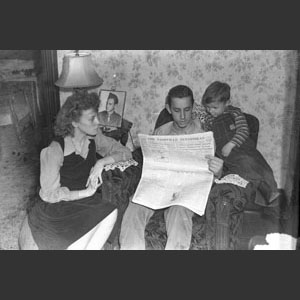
(95, 178)
(215, 165)
(91, 189)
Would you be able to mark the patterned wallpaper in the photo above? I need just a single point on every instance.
(263, 83)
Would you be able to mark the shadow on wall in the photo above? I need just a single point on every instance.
(290, 132)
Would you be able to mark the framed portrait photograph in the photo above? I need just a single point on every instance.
(111, 109)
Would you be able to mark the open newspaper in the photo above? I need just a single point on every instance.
(175, 171)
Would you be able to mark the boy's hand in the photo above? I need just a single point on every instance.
(227, 149)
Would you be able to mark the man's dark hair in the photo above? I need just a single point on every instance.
(113, 96)
(179, 91)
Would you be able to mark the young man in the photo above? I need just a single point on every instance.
(179, 223)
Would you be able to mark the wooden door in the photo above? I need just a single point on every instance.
(50, 101)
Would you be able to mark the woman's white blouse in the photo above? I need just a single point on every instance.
(52, 158)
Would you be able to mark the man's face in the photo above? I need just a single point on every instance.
(215, 108)
(110, 105)
(181, 110)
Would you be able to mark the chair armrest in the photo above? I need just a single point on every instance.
(224, 215)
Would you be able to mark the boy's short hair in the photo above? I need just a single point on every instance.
(113, 96)
(216, 92)
(179, 91)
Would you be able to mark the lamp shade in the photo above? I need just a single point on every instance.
(78, 72)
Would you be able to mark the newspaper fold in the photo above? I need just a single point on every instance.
(175, 171)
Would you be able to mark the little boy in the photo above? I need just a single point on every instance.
(233, 144)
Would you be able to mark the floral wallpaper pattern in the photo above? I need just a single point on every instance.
(263, 83)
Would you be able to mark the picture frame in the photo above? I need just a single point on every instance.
(111, 109)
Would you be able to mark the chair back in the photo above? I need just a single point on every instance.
(163, 118)
(253, 124)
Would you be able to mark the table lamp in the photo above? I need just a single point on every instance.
(78, 72)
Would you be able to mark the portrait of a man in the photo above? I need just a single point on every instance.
(111, 109)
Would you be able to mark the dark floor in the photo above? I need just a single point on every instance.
(19, 172)
(258, 225)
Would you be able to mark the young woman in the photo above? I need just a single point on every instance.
(69, 213)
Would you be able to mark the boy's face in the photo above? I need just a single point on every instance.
(181, 110)
(215, 108)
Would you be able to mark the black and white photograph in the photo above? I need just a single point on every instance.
(206, 159)
(111, 108)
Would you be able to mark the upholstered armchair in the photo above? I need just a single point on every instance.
(232, 217)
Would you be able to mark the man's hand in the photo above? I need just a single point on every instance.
(215, 165)
(227, 149)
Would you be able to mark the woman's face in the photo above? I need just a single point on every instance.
(88, 123)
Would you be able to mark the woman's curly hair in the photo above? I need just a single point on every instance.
(72, 110)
